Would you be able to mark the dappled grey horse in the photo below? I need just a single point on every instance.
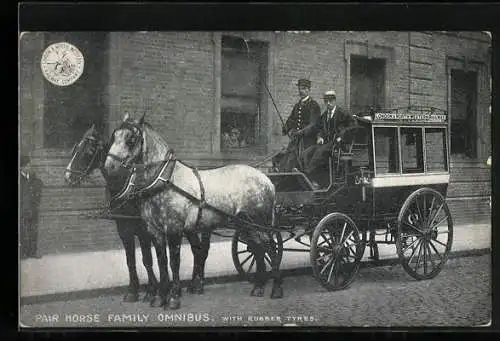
(88, 155)
(185, 200)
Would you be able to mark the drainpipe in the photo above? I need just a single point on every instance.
(409, 69)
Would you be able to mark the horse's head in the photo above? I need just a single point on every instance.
(86, 156)
(126, 145)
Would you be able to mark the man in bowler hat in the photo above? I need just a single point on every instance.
(301, 127)
(30, 187)
(331, 126)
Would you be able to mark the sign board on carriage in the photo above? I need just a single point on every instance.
(415, 116)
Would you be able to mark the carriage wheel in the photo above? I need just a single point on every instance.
(424, 233)
(336, 251)
(244, 258)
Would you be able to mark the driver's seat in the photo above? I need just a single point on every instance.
(341, 158)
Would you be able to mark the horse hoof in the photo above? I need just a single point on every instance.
(277, 293)
(174, 303)
(131, 297)
(156, 301)
(257, 292)
(148, 296)
(195, 289)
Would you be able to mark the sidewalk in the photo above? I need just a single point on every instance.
(55, 274)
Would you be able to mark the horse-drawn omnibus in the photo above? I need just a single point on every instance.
(389, 186)
(388, 179)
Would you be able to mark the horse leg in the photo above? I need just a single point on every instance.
(161, 298)
(277, 290)
(174, 248)
(196, 285)
(205, 247)
(147, 260)
(126, 233)
(256, 246)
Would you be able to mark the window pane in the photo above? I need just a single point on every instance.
(411, 150)
(386, 150)
(435, 149)
(240, 75)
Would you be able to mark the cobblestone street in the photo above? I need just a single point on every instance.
(380, 296)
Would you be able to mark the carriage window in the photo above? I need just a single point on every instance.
(386, 150)
(242, 81)
(411, 150)
(435, 149)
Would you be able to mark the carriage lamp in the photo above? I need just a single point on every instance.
(363, 179)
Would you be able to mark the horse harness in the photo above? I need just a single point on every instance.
(162, 180)
(162, 176)
(99, 147)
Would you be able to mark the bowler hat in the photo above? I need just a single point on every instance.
(330, 94)
(304, 82)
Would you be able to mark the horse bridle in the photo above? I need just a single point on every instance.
(137, 138)
(99, 145)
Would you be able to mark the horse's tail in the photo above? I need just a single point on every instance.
(273, 213)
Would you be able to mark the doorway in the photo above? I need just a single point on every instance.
(463, 113)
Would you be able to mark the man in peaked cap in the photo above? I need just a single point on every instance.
(301, 126)
(331, 126)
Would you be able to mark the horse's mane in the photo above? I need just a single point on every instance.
(155, 147)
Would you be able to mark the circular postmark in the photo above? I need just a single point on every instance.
(62, 64)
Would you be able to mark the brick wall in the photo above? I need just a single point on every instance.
(170, 75)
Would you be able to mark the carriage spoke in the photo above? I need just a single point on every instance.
(351, 250)
(414, 250)
(327, 265)
(425, 257)
(437, 241)
(243, 251)
(442, 219)
(343, 231)
(424, 217)
(436, 214)
(435, 250)
(345, 241)
(430, 210)
(327, 240)
(413, 242)
(336, 279)
(251, 265)
(413, 227)
(331, 270)
(418, 257)
(322, 258)
(246, 259)
(430, 255)
(266, 257)
(418, 209)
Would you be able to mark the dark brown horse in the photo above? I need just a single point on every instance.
(87, 156)
(195, 201)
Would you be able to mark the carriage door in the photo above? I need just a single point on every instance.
(367, 83)
(71, 110)
(463, 113)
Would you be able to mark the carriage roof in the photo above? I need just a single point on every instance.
(407, 116)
